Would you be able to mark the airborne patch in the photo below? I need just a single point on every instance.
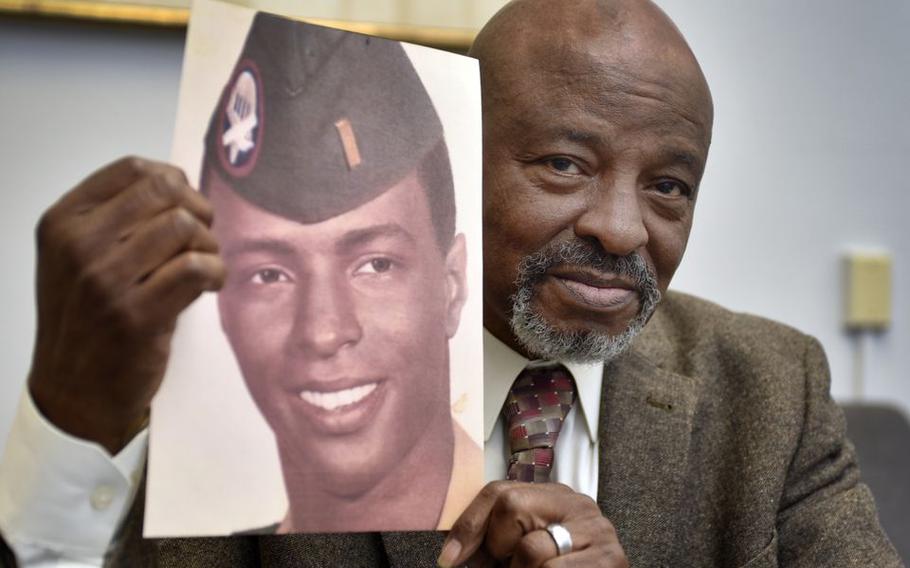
(241, 121)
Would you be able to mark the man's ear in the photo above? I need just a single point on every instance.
(456, 283)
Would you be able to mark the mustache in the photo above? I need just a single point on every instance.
(580, 253)
(544, 338)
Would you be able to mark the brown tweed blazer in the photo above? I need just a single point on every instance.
(719, 445)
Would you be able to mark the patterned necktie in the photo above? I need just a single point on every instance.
(537, 404)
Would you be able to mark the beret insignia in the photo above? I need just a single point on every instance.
(315, 121)
(241, 121)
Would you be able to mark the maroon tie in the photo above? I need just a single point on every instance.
(537, 404)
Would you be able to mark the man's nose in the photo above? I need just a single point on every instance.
(326, 318)
(613, 216)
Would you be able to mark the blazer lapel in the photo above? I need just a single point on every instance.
(646, 422)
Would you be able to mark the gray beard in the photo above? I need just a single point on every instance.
(546, 341)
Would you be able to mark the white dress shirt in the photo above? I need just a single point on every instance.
(62, 499)
(575, 454)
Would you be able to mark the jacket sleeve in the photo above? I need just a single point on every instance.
(827, 515)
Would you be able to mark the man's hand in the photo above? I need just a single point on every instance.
(506, 523)
(119, 257)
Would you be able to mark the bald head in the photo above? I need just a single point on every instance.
(619, 41)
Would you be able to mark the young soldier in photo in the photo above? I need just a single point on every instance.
(327, 169)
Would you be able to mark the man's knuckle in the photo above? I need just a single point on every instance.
(47, 228)
(96, 284)
(510, 502)
(588, 500)
(78, 252)
(605, 544)
(609, 526)
(530, 550)
(584, 504)
(193, 266)
(189, 264)
(602, 527)
(491, 490)
(182, 223)
(126, 317)
(134, 164)
(468, 526)
(159, 192)
(174, 178)
(180, 176)
(98, 292)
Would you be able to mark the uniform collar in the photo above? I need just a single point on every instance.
(501, 365)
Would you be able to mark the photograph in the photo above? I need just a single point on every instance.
(334, 383)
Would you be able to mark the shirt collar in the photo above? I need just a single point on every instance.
(501, 365)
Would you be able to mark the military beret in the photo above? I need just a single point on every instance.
(316, 121)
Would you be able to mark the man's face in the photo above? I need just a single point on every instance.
(341, 328)
(592, 159)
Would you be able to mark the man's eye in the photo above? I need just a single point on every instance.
(563, 165)
(672, 188)
(375, 266)
(270, 276)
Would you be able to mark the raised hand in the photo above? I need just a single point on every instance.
(119, 257)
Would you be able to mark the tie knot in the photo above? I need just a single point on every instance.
(538, 402)
(540, 393)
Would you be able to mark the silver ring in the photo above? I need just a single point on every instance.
(561, 538)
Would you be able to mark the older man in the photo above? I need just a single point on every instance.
(687, 435)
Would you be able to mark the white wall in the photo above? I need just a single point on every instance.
(72, 97)
(811, 143)
(811, 155)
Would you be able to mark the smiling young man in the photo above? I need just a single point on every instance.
(345, 278)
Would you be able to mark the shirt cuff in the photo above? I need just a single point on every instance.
(61, 493)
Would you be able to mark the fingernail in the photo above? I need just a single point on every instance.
(449, 553)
